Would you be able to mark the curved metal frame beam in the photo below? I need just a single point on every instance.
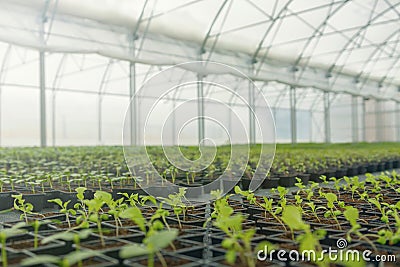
(318, 32)
(352, 40)
(261, 43)
(367, 63)
(203, 44)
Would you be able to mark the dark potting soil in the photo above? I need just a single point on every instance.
(184, 227)
(113, 232)
(322, 221)
(169, 260)
(108, 244)
(285, 235)
(89, 262)
(275, 227)
(178, 245)
(16, 260)
(22, 244)
(65, 225)
(128, 223)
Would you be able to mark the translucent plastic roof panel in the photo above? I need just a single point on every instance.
(337, 45)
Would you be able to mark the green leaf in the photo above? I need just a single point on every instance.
(66, 236)
(227, 243)
(230, 256)
(161, 239)
(57, 201)
(105, 196)
(135, 214)
(133, 250)
(351, 214)
(8, 232)
(291, 215)
(80, 192)
(77, 256)
(83, 234)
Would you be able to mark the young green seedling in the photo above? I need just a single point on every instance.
(155, 238)
(332, 210)
(314, 209)
(308, 240)
(36, 225)
(75, 237)
(352, 215)
(377, 203)
(94, 205)
(4, 235)
(176, 201)
(64, 209)
(65, 261)
(151, 246)
(238, 241)
(25, 208)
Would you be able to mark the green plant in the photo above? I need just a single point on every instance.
(65, 261)
(75, 237)
(238, 241)
(332, 210)
(377, 203)
(282, 195)
(314, 209)
(115, 209)
(64, 209)
(160, 212)
(308, 240)
(151, 246)
(94, 207)
(155, 238)
(25, 208)
(4, 235)
(336, 184)
(132, 199)
(36, 225)
(268, 206)
(352, 215)
(177, 202)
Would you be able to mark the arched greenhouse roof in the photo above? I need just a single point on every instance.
(340, 46)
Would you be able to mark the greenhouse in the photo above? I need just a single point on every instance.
(199, 133)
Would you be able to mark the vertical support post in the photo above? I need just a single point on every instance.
(99, 119)
(53, 118)
(327, 117)
(42, 99)
(354, 118)
(230, 120)
(378, 121)
(200, 107)
(133, 105)
(252, 122)
(364, 121)
(173, 128)
(397, 120)
(311, 125)
(293, 124)
(42, 84)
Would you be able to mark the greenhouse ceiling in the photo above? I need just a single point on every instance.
(341, 46)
